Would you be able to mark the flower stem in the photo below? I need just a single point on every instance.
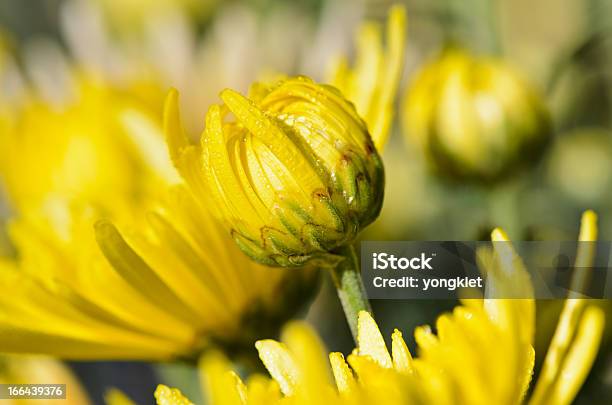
(347, 279)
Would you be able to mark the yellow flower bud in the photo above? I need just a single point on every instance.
(292, 171)
(475, 118)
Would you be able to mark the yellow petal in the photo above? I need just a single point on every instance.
(257, 123)
(345, 381)
(221, 385)
(240, 388)
(337, 74)
(280, 364)
(138, 273)
(581, 355)
(508, 278)
(216, 165)
(425, 338)
(262, 390)
(367, 65)
(282, 145)
(498, 235)
(577, 363)
(585, 254)
(588, 226)
(371, 342)
(509, 261)
(175, 135)
(571, 320)
(527, 373)
(389, 83)
(116, 397)
(170, 396)
(309, 353)
(373, 83)
(402, 360)
(149, 143)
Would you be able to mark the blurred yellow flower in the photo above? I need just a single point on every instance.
(75, 293)
(474, 117)
(373, 82)
(481, 353)
(71, 150)
(17, 369)
(63, 298)
(292, 172)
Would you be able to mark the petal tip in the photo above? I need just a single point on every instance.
(498, 235)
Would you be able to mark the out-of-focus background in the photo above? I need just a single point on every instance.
(563, 48)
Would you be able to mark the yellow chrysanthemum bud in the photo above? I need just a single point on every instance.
(475, 117)
(292, 171)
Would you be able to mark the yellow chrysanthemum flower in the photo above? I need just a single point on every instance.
(75, 293)
(292, 172)
(474, 117)
(373, 82)
(67, 297)
(481, 353)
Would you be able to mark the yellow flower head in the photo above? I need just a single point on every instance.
(77, 294)
(81, 293)
(291, 170)
(481, 353)
(474, 117)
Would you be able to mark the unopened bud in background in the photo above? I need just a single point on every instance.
(475, 117)
(291, 170)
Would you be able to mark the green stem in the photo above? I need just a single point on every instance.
(503, 206)
(347, 279)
